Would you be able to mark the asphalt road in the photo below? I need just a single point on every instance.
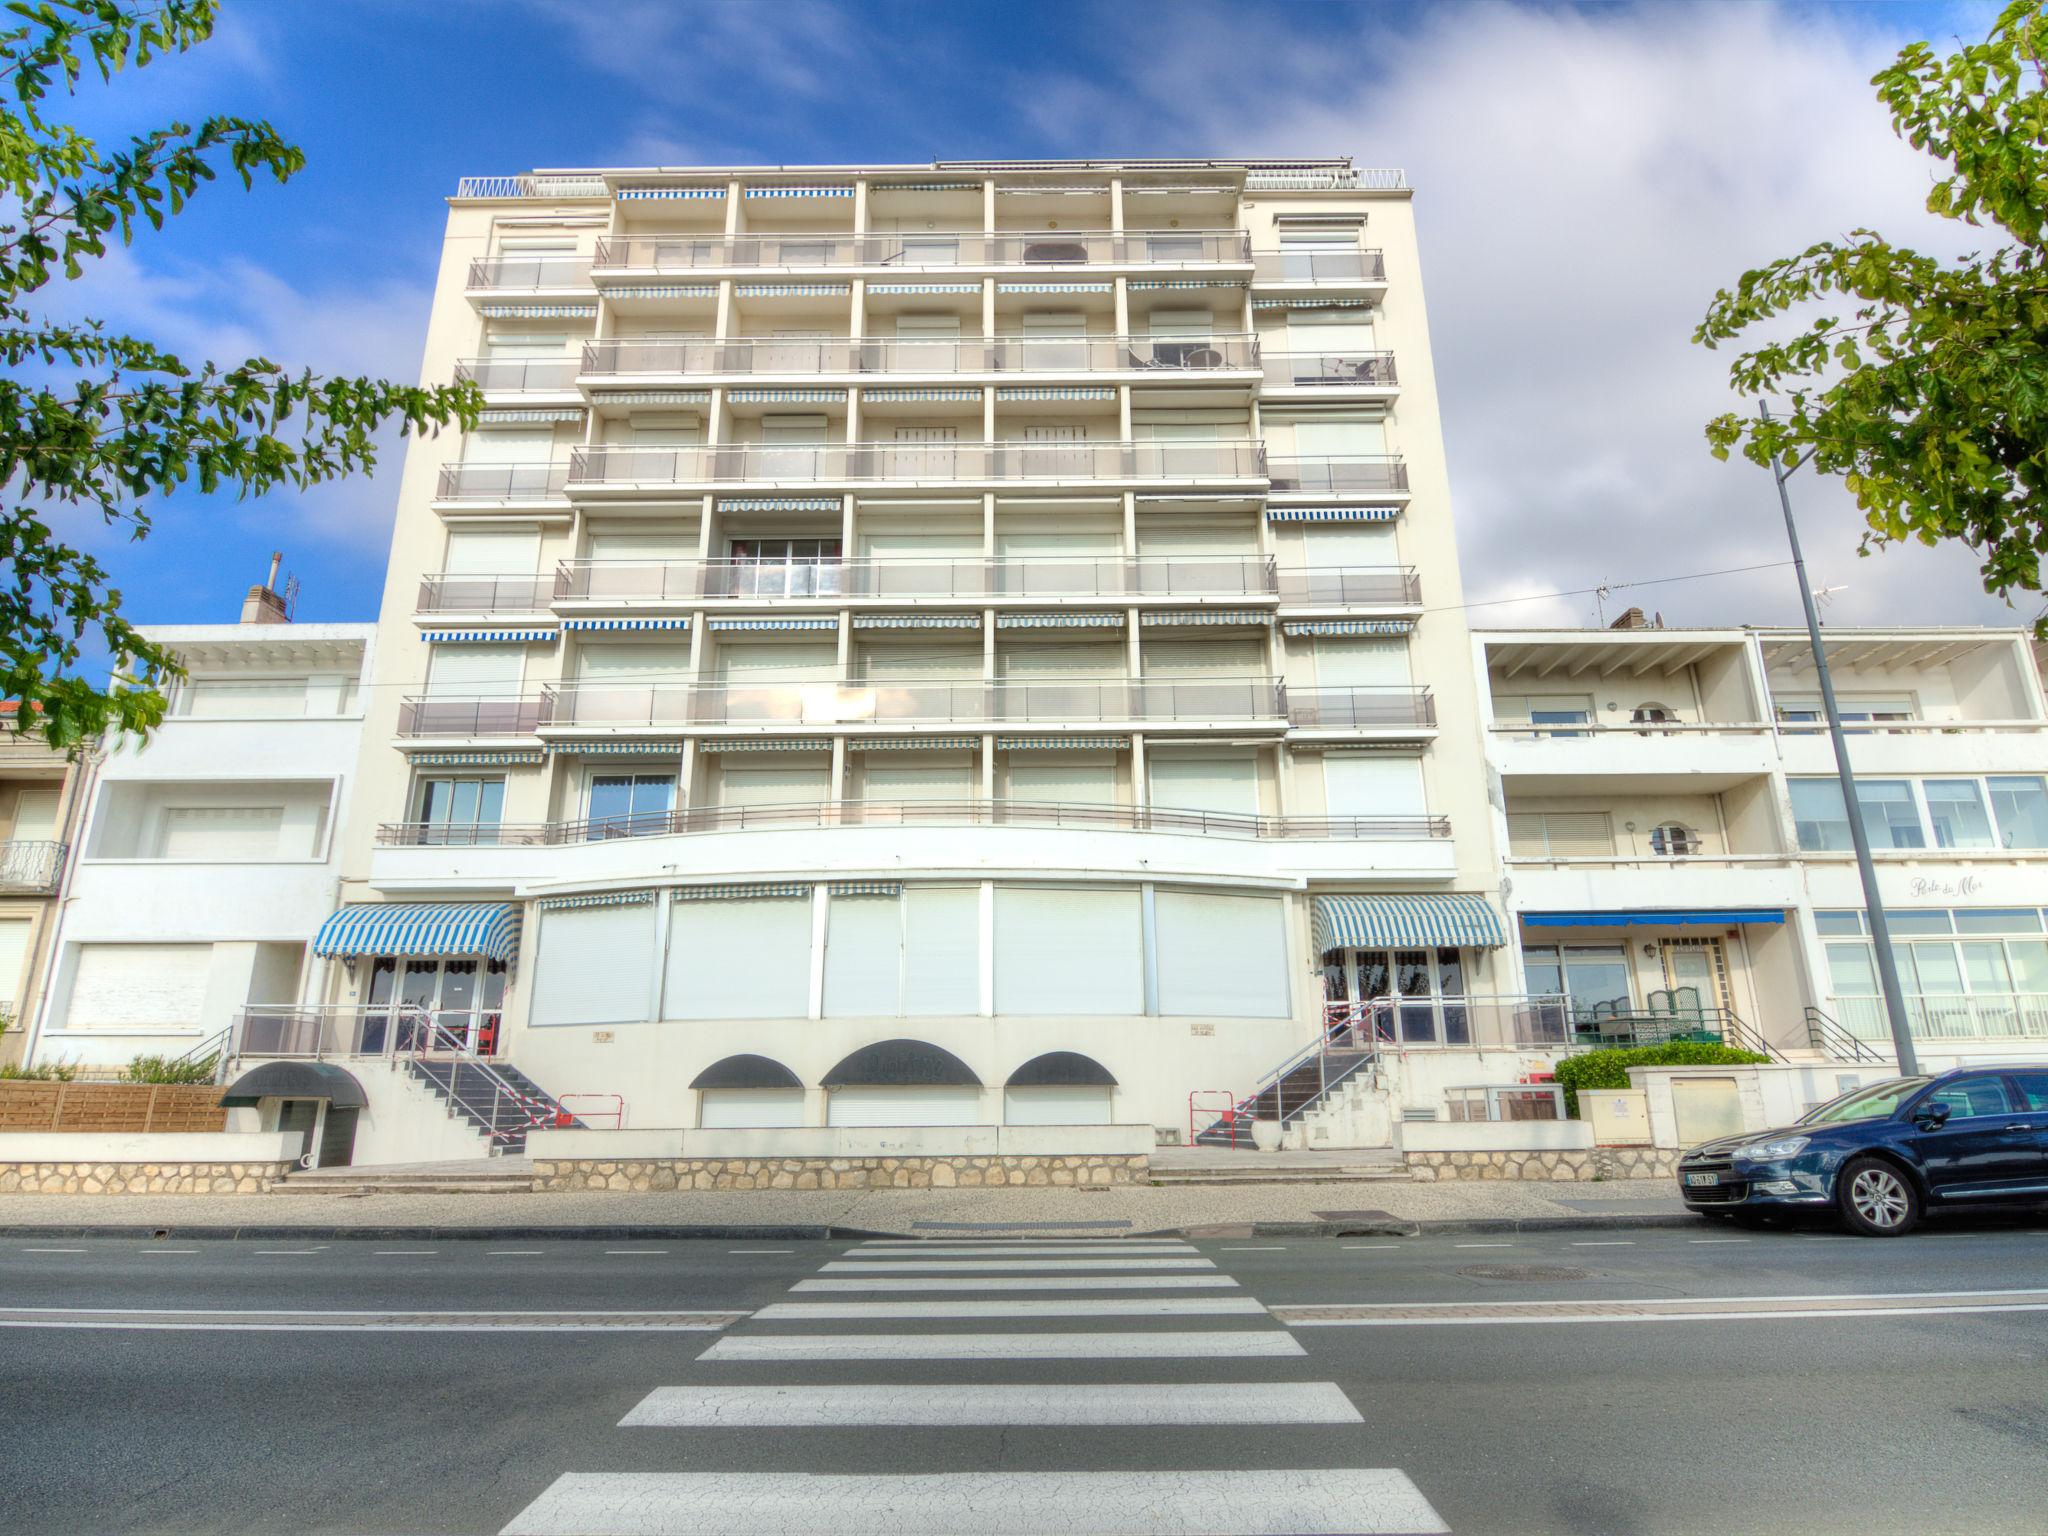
(1659, 1380)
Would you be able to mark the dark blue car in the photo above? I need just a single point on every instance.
(1886, 1153)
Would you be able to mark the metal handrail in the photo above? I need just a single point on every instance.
(628, 580)
(830, 701)
(1003, 353)
(443, 592)
(215, 1045)
(1826, 1034)
(1337, 472)
(1347, 585)
(437, 1040)
(31, 866)
(1332, 266)
(1001, 460)
(502, 482)
(529, 272)
(1360, 708)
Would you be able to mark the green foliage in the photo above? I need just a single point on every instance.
(1609, 1069)
(131, 421)
(48, 1072)
(1930, 396)
(170, 1069)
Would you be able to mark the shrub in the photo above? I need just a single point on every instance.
(48, 1072)
(166, 1069)
(1609, 1069)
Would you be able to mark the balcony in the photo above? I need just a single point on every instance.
(829, 703)
(1000, 463)
(1949, 1016)
(30, 868)
(1324, 474)
(485, 594)
(1354, 586)
(834, 356)
(687, 581)
(513, 715)
(502, 482)
(1330, 370)
(1360, 709)
(914, 813)
(519, 375)
(1351, 269)
(1567, 759)
(943, 252)
(528, 274)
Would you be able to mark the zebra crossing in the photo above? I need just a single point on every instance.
(930, 1339)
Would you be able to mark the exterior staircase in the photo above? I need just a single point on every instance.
(499, 1176)
(1292, 1090)
(502, 1102)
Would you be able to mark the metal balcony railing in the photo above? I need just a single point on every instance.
(1078, 576)
(1312, 266)
(1317, 369)
(910, 813)
(502, 482)
(1173, 459)
(515, 375)
(524, 273)
(887, 355)
(1345, 472)
(30, 867)
(1949, 1016)
(1397, 586)
(1051, 248)
(1359, 708)
(830, 702)
(485, 594)
(511, 715)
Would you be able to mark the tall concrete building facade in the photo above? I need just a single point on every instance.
(939, 644)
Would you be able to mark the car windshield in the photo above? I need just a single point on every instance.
(1873, 1101)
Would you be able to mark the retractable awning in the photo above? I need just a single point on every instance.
(1388, 922)
(486, 928)
(296, 1080)
(1645, 917)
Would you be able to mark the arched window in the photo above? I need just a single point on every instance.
(1673, 841)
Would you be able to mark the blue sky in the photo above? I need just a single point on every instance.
(1586, 177)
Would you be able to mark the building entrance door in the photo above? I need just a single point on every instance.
(1696, 971)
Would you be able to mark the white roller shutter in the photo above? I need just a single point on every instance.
(747, 959)
(1204, 658)
(476, 671)
(1221, 956)
(734, 1109)
(1066, 783)
(1351, 544)
(1339, 439)
(1069, 951)
(1215, 539)
(632, 661)
(1067, 1104)
(777, 784)
(911, 780)
(594, 965)
(1057, 545)
(642, 546)
(920, 662)
(139, 986)
(1361, 663)
(14, 934)
(864, 957)
(904, 1106)
(1372, 784)
(942, 950)
(491, 552)
(1343, 338)
(1205, 784)
(1055, 660)
(503, 446)
(198, 832)
(770, 661)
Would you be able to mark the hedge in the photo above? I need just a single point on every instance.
(1609, 1069)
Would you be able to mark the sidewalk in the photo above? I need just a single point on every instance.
(1294, 1209)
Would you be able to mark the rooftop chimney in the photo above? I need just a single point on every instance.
(263, 605)
(1632, 619)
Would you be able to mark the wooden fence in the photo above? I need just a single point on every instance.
(37, 1106)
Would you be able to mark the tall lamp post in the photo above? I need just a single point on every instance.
(1873, 903)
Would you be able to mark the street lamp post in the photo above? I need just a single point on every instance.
(1873, 903)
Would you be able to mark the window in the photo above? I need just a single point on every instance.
(2021, 808)
(595, 965)
(1652, 714)
(1221, 956)
(1890, 819)
(925, 776)
(1086, 778)
(1414, 996)
(476, 671)
(13, 952)
(630, 804)
(1229, 785)
(1955, 809)
(917, 954)
(245, 699)
(1559, 834)
(139, 986)
(2033, 1087)
(461, 811)
(1673, 841)
(735, 958)
(1318, 258)
(1595, 977)
(1069, 951)
(1372, 784)
(1970, 1098)
(1818, 816)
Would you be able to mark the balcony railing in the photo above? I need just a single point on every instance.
(1051, 248)
(1307, 266)
(1396, 586)
(1359, 708)
(525, 273)
(1950, 1016)
(485, 594)
(912, 813)
(515, 375)
(1318, 369)
(807, 355)
(30, 867)
(1052, 576)
(502, 482)
(826, 702)
(1221, 459)
(1346, 472)
(515, 715)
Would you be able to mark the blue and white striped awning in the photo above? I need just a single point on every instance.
(649, 194)
(898, 394)
(736, 626)
(528, 418)
(1186, 616)
(661, 290)
(1059, 621)
(1307, 303)
(520, 757)
(1385, 922)
(844, 189)
(1062, 743)
(538, 311)
(766, 744)
(1053, 287)
(1332, 514)
(655, 397)
(865, 888)
(487, 636)
(786, 396)
(1138, 283)
(599, 899)
(917, 621)
(581, 625)
(1351, 627)
(925, 186)
(923, 288)
(778, 504)
(1056, 392)
(614, 747)
(752, 890)
(486, 928)
(792, 290)
(911, 744)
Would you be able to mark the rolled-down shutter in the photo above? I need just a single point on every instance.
(140, 986)
(904, 1106)
(1069, 951)
(595, 965)
(1066, 1104)
(731, 1109)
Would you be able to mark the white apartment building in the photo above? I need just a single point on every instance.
(209, 856)
(940, 644)
(1676, 840)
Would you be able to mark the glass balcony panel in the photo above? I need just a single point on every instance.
(514, 375)
(1350, 472)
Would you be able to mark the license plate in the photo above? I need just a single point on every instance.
(1702, 1180)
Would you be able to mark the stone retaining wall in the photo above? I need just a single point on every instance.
(1600, 1163)
(52, 1178)
(663, 1173)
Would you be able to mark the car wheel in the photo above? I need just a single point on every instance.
(1876, 1199)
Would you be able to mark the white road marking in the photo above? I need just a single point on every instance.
(1015, 1250)
(1369, 1247)
(1023, 1283)
(1308, 1402)
(1608, 1243)
(1235, 1345)
(401, 1253)
(286, 1253)
(1409, 1314)
(1345, 1502)
(1717, 1239)
(1482, 1245)
(1269, 1248)
(632, 1253)
(1142, 1306)
(512, 1253)
(760, 1250)
(271, 1320)
(166, 1250)
(963, 1266)
(53, 1250)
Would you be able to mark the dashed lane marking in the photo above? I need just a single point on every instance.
(391, 1321)
(1664, 1310)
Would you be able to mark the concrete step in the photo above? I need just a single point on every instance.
(1374, 1173)
(513, 1186)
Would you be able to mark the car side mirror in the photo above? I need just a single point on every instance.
(1931, 1117)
